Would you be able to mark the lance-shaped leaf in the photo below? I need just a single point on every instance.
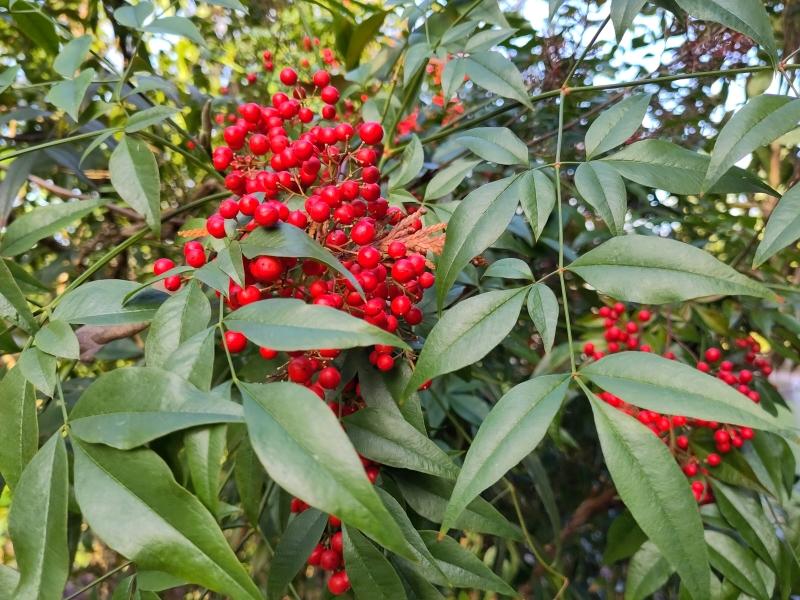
(68, 94)
(449, 178)
(745, 16)
(647, 573)
(19, 428)
(301, 536)
(303, 448)
(656, 492)
(603, 189)
(102, 302)
(182, 316)
(663, 165)
(783, 227)
(7, 77)
(288, 241)
(371, 575)
(411, 162)
(150, 116)
(453, 76)
(657, 383)
(165, 528)
(37, 523)
(43, 222)
(538, 199)
(736, 563)
(746, 516)
(509, 268)
(13, 305)
(205, 451)
(466, 333)
(389, 439)
(428, 496)
(759, 122)
(622, 15)
(71, 56)
(194, 359)
(496, 144)
(496, 73)
(39, 368)
(176, 25)
(58, 339)
(290, 324)
(134, 175)
(416, 56)
(655, 270)
(131, 406)
(543, 309)
(477, 222)
(513, 428)
(616, 124)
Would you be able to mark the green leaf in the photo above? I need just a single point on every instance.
(622, 14)
(746, 516)
(9, 579)
(736, 564)
(383, 391)
(130, 406)
(68, 95)
(476, 223)
(37, 523)
(466, 333)
(229, 260)
(647, 573)
(130, 589)
(194, 359)
(411, 163)
(134, 175)
(616, 124)
(603, 189)
(364, 33)
(101, 303)
(13, 305)
(663, 165)
(290, 324)
(58, 339)
(623, 539)
(288, 241)
(496, 144)
(8, 77)
(488, 39)
(461, 567)
(205, 451)
(762, 120)
(133, 16)
(657, 383)
(150, 116)
(39, 368)
(164, 527)
(250, 478)
(655, 270)
(416, 582)
(371, 575)
(300, 538)
(232, 4)
(538, 199)
(509, 268)
(182, 316)
(15, 178)
(36, 26)
(428, 496)
(180, 26)
(783, 227)
(449, 178)
(304, 449)
(389, 439)
(43, 222)
(745, 16)
(453, 76)
(656, 492)
(511, 431)
(497, 74)
(72, 55)
(416, 56)
(543, 310)
(19, 428)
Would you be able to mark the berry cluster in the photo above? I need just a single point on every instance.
(300, 162)
(685, 436)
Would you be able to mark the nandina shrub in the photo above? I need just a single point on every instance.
(397, 301)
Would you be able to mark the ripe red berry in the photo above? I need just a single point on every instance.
(644, 315)
(337, 542)
(248, 295)
(259, 144)
(713, 355)
(401, 305)
(267, 353)
(403, 270)
(229, 208)
(215, 225)
(299, 369)
(363, 232)
(235, 341)
(384, 362)
(713, 460)
(321, 78)
(313, 558)
(329, 94)
(338, 583)
(329, 378)
(368, 257)
(266, 269)
(162, 265)
(330, 560)
(371, 132)
(172, 283)
(288, 76)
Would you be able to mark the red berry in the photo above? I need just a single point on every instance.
(259, 144)
(172, 283)
(215, 225)
(384, 362)
(162, 265)
(321, 78)
(299, 369)
(329, 94)
(713, 355)
(337, 543)
(267, 353)
(330, 560)
(266, 269)
(401, 305)
(371, 132)
(313, 558)
(713, 460)
(369, 257)
(363, 232)
(644, 315)
(229, 208)
(403, 270)
(288, 76)
(338, 583)
(248, 295)
(235, 341)
(329, 378)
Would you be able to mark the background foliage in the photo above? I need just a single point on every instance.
(598, 119)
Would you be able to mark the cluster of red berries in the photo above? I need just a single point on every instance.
(299, 150)
(740, 370)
